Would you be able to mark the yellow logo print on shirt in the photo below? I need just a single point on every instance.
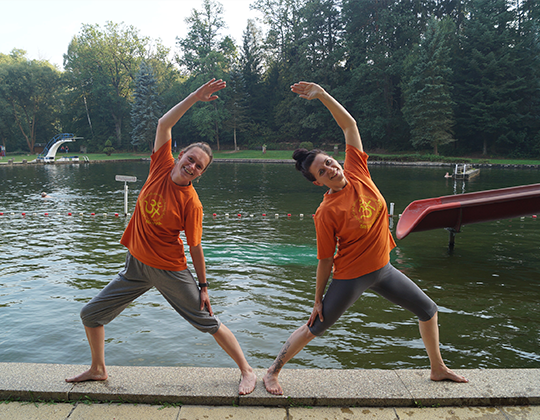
(366, 210)
(153, 208)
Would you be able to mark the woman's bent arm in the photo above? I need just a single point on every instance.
(197, 256)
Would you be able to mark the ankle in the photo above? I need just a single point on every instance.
(273, 371)
(98, 369)
(247, 371)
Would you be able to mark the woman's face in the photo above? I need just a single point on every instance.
(328, 172)
(190, 165)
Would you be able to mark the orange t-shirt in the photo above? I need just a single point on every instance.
(164, 209)
(356, 220)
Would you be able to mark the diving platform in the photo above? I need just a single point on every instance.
(464, 171)
(49, 153)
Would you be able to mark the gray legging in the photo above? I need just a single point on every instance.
(388, 282)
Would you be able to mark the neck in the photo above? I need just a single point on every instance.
(337, 189)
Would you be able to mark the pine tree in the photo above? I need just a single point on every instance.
(146, 109)
(488, 85)
(428, 105)
(237, 105)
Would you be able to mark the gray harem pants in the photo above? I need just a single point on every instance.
(179, 288)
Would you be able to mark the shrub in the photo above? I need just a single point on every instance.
(306, 145)
(108, 149)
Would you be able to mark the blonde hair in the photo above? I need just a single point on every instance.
(205, 147)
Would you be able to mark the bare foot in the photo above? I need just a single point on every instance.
(247, 383)
(89, 375)
(272, 385)
(445, 374)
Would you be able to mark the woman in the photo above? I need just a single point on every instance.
(353, 217)
(167, 204)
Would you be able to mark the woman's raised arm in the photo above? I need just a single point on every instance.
(205, 94)
(346, 122)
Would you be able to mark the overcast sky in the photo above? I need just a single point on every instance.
(44, 28)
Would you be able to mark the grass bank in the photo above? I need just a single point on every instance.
(287, 155)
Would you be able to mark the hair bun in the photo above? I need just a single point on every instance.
(300, 155)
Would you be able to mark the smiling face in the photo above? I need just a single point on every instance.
(190, 165)
(328, 172)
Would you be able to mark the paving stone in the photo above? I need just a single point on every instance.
(34, 411)
(114, 411)
(33, 382)
(522, 412)
(342, 413)
(213, 386)
(451, 413)
(193, 412)
(486, 387)
(323, 387)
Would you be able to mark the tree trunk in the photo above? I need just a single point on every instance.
(216, 127)
(118, 129)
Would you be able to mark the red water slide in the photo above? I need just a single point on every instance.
(453, 211)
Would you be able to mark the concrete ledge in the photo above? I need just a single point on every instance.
(311, 387)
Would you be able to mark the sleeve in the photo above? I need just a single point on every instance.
(193, 225)
(326, 238)
(356, 162)
(161, 158)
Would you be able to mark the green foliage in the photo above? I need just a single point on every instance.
(109, 149)
(306, 145)
(145, 110)
(416, 157)
(203, 52)
(101, 66)
(428, 106)
(29, 96)
(489, 83)
(413, 73)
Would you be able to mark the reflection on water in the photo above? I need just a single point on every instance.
(261, 270)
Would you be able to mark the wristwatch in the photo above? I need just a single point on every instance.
(203, 284)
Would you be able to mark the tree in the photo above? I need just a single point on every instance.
(322, 47)
(205, 55)
(146, 109)
(109, 149)
(528, 66)
(203, 50)
(284, 63)
(379, 36)
(29, 90)
(237, 105)
(488, 85)
(428, 107)
(101, 65)
(284, 23)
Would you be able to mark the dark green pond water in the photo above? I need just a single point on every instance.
(262, 272)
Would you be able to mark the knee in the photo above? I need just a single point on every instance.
(306, 332)
(430, 315)
(88, 317)
(84, 313)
